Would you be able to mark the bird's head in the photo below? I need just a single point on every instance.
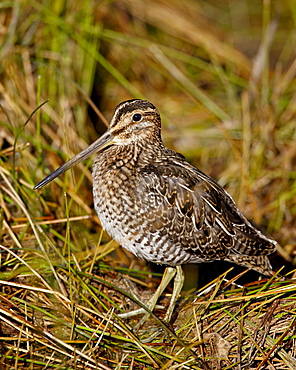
(134, 122)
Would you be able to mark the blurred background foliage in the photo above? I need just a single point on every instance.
(221, 74)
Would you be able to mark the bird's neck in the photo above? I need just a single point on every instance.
(134, 155)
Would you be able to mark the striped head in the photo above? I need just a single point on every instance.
(134, 122)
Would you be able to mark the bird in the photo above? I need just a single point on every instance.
(160, 207)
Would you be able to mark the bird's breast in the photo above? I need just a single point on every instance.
(116, 200)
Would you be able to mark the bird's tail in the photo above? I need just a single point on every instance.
(260, 264)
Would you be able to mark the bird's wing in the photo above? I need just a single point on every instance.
(197, 212)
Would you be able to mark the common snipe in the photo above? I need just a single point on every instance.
(160, 207)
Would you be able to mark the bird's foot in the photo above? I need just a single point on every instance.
(147, 310)
(140, 311)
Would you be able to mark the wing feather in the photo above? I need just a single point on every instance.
(198, 212)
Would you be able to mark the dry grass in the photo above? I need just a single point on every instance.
(223, 78)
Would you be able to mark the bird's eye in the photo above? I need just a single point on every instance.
(137, 117)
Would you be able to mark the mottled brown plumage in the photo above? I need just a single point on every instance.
(160, 207)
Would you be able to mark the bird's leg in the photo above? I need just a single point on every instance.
(178, 285)
(168, 274)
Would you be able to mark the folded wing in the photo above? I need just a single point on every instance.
(198, 213)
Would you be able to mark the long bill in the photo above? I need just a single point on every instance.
(103, 141)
